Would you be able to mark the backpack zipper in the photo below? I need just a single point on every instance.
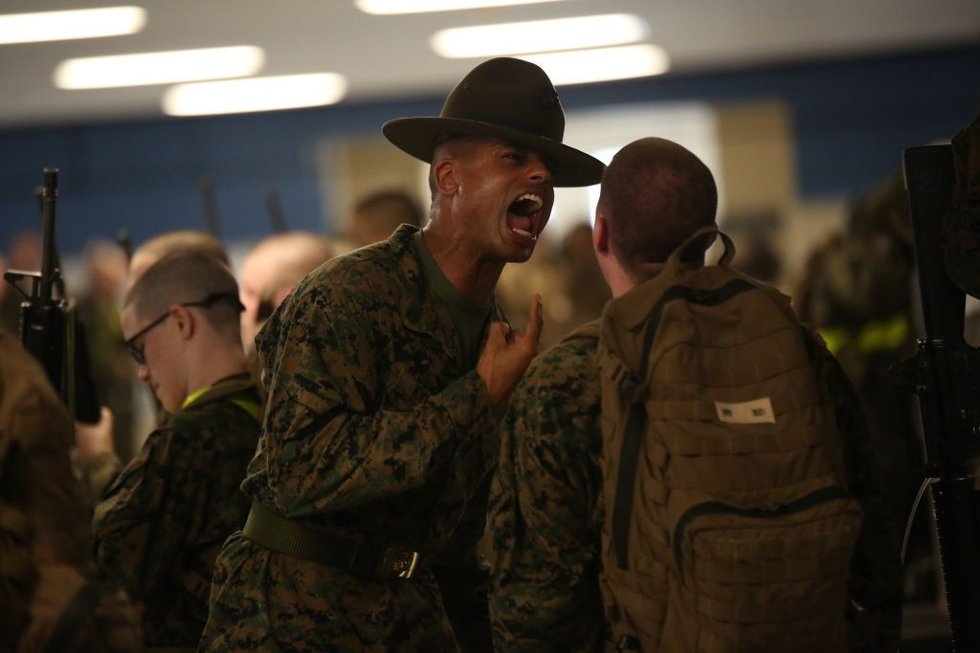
(824, 494)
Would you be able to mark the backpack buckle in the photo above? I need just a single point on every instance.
(398, 562)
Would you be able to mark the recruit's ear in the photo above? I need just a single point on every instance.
(600, 235)
(185, 320)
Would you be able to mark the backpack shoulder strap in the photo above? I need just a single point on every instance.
(587, 331)
(675, 260)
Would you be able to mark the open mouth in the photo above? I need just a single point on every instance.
(523, 215)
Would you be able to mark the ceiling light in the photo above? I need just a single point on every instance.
(159, 67)
(256, 94)
(424, 6)
(538, 36)
(71, 24)
(603, 64)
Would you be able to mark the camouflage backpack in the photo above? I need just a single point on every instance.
(727, 527)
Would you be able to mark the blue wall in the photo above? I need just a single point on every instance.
(852, 119)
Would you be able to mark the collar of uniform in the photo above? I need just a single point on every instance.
(421, 310)
(230, 385)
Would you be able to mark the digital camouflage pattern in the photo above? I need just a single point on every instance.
(544, 518)
(162, 521)
(376, 429)
(45, 539)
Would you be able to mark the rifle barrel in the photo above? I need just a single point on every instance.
(210, 208)
(49, 195)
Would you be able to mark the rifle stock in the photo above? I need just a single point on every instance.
(947, 383)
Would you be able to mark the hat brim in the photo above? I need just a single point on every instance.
(418, 136)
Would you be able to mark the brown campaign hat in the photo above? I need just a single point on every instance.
(505, 98)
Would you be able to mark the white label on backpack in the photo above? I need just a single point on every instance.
(757, 411)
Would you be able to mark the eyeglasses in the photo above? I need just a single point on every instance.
(137, 352)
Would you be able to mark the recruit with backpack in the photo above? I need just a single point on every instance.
(727, 525)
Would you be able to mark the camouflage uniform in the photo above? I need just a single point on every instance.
(44, 531)
(377, 431)
(162, 521)
(544, 519)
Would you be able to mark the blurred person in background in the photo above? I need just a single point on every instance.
(174, 242)
(857, 293)
(23, 253)
(566, 273)
(377, 215)
(271, 269)
(163, 518)
(97, 309)
(51, 597)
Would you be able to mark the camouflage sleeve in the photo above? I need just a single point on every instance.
(38, 472)
(149, 513)
(326, 438)
(876, 571)
(543, 526)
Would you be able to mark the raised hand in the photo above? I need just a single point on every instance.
(92, 440)
(507, 353)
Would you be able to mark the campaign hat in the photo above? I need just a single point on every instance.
(505, 98)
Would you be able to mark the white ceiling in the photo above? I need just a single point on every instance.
(389, 56)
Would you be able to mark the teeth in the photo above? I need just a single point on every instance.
(538, 202)
(526, 234)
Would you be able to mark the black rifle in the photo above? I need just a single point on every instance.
(276, 221)
(125, 243)
(945, 372)
(210, 208)
(48, 327)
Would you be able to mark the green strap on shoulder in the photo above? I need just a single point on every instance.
(249, 406)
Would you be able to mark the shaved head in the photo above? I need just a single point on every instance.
(175, 242)
(186, 278)
(283, 259)
(376, 216)
(655, 194)
(272, 268)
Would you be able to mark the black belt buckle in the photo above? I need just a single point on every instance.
(398, 563)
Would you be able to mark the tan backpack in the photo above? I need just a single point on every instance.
(727, 527)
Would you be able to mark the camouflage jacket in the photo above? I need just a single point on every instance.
(162, 521)
(35, 440)
(377, 430)
(45, 536)
(544, 519)
(42, 514)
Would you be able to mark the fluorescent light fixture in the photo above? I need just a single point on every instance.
(159, 67)
(71, 24)
(388, 7)
(538, 36)
(255, 94)
(603, 64)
